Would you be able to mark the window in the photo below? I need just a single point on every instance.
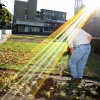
(59, 15)
(52, 14)
(63, 16)
(44, 13)
(25, 16)
(79, 3)
(25, 10)
(47, 13)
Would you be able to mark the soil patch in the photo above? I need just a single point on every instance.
(57, 88)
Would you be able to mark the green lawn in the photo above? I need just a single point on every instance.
(28, 36)
(15, 55)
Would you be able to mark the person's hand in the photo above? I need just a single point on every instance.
(71, 50)
(90, 38)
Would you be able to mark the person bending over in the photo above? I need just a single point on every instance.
(79, 49)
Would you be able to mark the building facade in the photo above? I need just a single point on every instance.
(53, 19)
(25, 16)
(25, 10)
(52, 15)
(28, 19)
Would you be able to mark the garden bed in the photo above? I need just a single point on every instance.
(55, 87)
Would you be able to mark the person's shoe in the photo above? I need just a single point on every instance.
(79, 80)
(73, 80)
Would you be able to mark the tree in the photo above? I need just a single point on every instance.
(5, 17)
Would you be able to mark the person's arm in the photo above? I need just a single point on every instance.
(90, 38)
(71, 50)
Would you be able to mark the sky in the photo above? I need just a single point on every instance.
(57, 5)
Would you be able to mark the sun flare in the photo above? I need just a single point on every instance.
(91, 4)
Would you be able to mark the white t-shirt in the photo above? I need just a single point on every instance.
(80, 38)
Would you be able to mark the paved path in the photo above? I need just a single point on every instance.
(4, 38)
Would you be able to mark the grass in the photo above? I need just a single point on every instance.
(19, 50)
(16, 51)
(93, 65)
(26, 47)
(29, 37)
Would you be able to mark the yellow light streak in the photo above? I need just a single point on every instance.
(47, 56)
(71, 22)
(46, 76)
(54, 34)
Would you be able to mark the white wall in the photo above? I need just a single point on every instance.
(6, 31)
